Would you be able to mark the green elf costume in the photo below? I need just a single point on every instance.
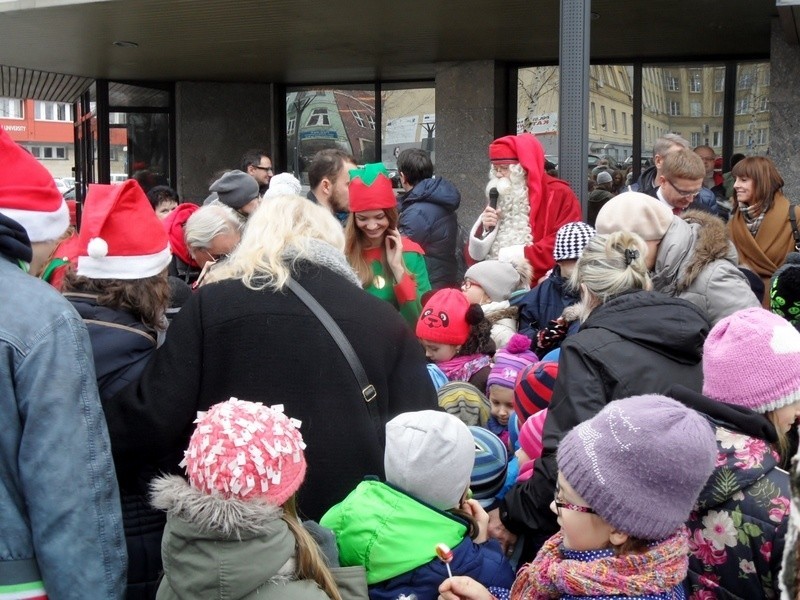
(371, 189)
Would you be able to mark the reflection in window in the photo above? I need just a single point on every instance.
(673, 84)
(751, 109)
(408, 121)
(319, 116)
(674, 108)
(52, 111)
(695, 109)
(742, 106)
(719, 79)
(695, 81)
(592, 116)
(11, 108)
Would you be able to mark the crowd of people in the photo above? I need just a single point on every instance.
(334, 395)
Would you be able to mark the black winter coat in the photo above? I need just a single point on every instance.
(122, 345)
(637, 343)
(428, 217)
(267, 346)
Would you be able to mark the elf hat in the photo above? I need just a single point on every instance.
(121, 237)
(28, 193)
(371, 189)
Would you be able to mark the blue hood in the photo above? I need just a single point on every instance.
(434, 190)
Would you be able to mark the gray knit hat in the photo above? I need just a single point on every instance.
(640, 463)
(429, 454)
(497, 278)
(235, 188)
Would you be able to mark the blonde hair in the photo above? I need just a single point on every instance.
(783, 445)
(310, 563)
(606, 272)
(279, 233)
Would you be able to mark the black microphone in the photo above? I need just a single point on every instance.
(493, 196)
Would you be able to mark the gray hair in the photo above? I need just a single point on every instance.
(667, 142)
(208, 222)
(606, 271)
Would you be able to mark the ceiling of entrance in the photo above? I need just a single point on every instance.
(316, 41)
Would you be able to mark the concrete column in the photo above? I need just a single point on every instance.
(215, 124)
(784, 102)
(471, 106)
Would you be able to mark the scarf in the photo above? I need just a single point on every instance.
(323, 254)
(552, 574)
(461, 368)
(765, 251)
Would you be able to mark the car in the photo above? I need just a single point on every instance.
(61, 185)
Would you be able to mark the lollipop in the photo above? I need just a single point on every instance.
(445, 555)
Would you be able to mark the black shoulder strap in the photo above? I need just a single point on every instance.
(795, 232)
(367, 389)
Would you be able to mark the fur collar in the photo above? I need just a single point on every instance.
(324, 255)
(213, 514)
(508, 312)
(712, 243)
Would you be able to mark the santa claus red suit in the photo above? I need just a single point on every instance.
(531, 206)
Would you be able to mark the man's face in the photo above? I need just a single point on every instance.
(262, 172)
(340, 189)
(679, 192)
(221, 246)
(708, 157)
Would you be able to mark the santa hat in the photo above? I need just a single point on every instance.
(371, 189)
(526, 150)
(121, 237)
(28, 193)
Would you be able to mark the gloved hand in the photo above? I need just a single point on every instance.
(551, 336)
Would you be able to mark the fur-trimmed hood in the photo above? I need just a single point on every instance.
(691, 244)
(219, 548)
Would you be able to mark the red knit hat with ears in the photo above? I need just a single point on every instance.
(444, 318)
(28, 193)
(526, 150)
(121, 237)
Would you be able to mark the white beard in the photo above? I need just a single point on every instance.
(514, 227)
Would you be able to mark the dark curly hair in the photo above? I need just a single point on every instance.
(146, 299)
(480, 334)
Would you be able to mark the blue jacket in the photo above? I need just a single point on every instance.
(59, 505)
(543, 303)
(428, 217)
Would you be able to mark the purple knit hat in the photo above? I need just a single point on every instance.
(640, 463)
(774, 382)
(509, 361)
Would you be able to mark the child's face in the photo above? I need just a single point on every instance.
(567, 267)
(581, 531)
(437, 352)
(502, 401)
(473, 292)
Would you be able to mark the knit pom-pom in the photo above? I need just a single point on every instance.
(97, 248)
(474, 314)
(518, 343)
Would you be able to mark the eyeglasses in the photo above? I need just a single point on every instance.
(569, 506)
(214, 257)
(267, 169)
(683, 193)
(468, 283)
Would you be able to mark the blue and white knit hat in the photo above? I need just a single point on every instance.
(489, 471)
(571, 239)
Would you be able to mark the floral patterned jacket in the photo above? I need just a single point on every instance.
(738, 528)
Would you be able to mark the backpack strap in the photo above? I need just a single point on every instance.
(795, 232)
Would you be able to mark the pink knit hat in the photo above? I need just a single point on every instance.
(246, 450)
(509, 361)
(773, 381)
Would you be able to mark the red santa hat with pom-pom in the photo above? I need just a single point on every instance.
(121, 237)
(28, 193)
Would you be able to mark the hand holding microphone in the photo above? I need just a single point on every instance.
(489, 217)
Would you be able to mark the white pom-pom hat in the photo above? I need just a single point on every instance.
(121, 237)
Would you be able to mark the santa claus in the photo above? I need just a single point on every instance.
(531, 206)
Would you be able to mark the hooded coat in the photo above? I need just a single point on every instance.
(428, 217)
(738, 529)
(637, 343)
(696, 261)
(226, 549)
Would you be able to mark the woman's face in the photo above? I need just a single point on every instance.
(743, 186)
(373, 224)
(787, 416)
(165, 207)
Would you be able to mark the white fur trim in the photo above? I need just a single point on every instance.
(510, 253)
(479, 248)
(41, 226)
(124, 267)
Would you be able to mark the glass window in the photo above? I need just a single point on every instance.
(408, 120)
(52, 111)
(718, 104)
(695, 109)
(592, 116)
(696, 139)
(11, 108)
(624, 123)
(751, 108)
(326, 118)
(673, 83)
(603, 120)
(290, 125)
(674, 108)
(695, 81)
(49, 152)
(719, 79)
(613, 120)
(717, 137)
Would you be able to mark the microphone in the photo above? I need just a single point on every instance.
(493, 196)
